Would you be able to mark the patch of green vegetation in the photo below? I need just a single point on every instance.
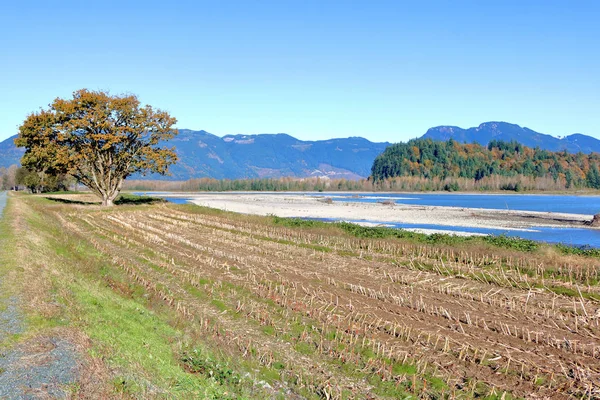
(539, 381)
(388, 389)
(299, 222)
(330, 335)
(404, 369)
(269, 330)
(219, 304)
(578, 251)
(296, 329)
(565, 291)
(379, 232)
(382, 232)
(270, 375)
(130, 335)
(436, 384)
(304, 348)
(278, 365)
(124, 386)
(196, 362)
(347, 253)
(194, 291)
(507, 242)
(367, 353)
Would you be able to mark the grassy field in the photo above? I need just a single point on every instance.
(180, 301)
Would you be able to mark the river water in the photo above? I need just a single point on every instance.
(569, 204)
(523, 202)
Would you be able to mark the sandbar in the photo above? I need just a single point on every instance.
(310, 206)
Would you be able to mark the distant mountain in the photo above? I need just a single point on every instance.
(9, 153)
(202, 154)
(488, 131)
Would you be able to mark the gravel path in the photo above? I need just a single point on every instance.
(39, 368)
(11, 321)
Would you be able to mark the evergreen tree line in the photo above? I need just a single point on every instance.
(453, 161)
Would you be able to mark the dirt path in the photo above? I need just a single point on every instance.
(35, 367)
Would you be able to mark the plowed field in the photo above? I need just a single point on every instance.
(341, 316)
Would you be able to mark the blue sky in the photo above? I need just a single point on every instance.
(313, 69)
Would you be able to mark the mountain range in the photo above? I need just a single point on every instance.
(202, 154)
(504, 131)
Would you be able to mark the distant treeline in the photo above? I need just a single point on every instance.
(406, 183)
(265, 184)
(501, 165)
(19, 178)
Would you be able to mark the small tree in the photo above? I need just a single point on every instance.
(98, 139)
(29, 178)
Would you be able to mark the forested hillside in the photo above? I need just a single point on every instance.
(451, 161)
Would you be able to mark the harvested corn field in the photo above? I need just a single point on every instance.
(325, 314)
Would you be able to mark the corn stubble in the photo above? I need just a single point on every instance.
(341, 316)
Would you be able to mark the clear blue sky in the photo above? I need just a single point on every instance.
(313, 69)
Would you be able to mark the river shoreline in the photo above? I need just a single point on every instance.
(307, 206)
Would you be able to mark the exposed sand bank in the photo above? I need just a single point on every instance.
(307, 206)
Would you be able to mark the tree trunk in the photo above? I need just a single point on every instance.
(108, 200)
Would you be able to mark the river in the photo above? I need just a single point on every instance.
(568, 204)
